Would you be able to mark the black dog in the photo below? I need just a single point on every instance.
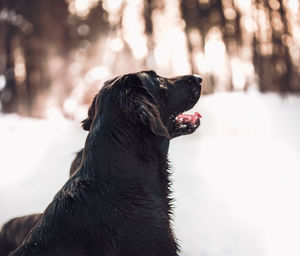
(15, 230)
(118, 201)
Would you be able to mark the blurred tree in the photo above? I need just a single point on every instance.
(271, 54)
(149, 7)
(203, 15)
(33, 31)
(29, 37)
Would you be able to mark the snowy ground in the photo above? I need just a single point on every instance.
(236, 180)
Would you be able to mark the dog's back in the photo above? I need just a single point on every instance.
(14, 231)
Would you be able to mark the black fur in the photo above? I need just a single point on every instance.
(76, 162)
(118, 201)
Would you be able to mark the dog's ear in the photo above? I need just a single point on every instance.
(86, 123)
(148, 114)
(140, 107)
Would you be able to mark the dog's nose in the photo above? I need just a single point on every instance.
(198, 78)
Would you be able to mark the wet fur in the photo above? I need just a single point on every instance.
(118, 201)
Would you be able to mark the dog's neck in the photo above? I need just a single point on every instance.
(122, 145)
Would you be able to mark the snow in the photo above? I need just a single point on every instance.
(236, 180)
(35, 157)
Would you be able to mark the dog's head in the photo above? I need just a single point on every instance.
(149, 102)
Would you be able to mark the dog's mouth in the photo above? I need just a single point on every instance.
(185, 120)
(184, 123)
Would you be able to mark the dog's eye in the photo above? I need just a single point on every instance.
(162, 86)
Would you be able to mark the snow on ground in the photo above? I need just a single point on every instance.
(236, 180)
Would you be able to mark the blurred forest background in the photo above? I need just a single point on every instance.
(55, 54)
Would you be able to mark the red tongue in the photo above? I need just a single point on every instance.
(189, 118)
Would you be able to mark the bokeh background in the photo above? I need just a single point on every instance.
(55, 54)
(236, 180)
